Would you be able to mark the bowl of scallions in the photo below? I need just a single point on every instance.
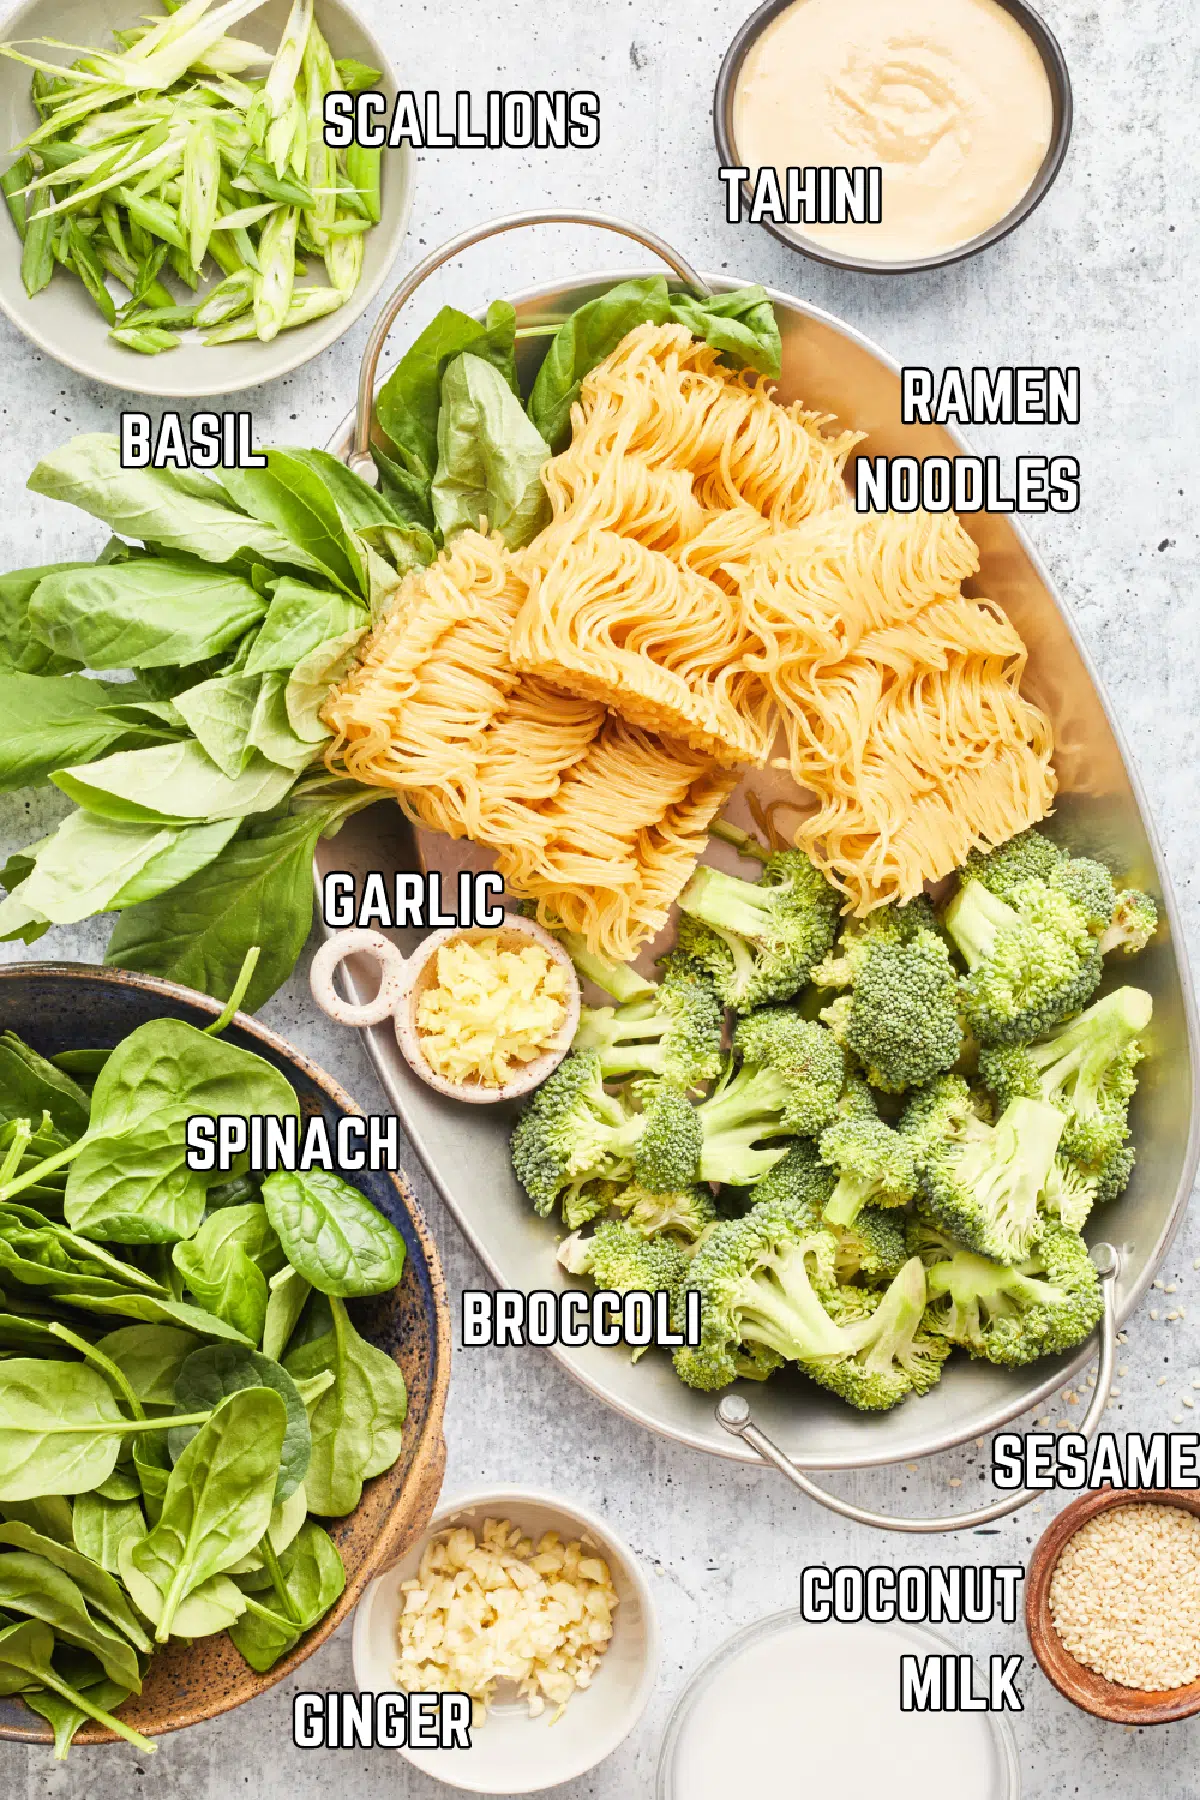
(178, 225)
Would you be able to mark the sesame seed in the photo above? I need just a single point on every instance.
(1162, 1381)
(1177, 1418)
(1154, 1312)
(1157, 1282)
(1187, 1400)
(1172, 1316)
(1125, 1596)
(1123, 1371)
(956, 1481)
(1171, 1288)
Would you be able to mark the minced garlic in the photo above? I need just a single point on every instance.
(496, 1609)
(491, 1010)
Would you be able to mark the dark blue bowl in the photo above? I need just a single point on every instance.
(72, 1006)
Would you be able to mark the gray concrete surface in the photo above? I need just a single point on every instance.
(1099, 277)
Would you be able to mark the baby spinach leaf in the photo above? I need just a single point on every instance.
(741, 324)
(357, 1424)
(293, 498)
(122, 1484)
(159, 506)
(409, 401)
(31, 1086)
(210, 1375)
(192, 847)
(35, 1587)
(490, 457)
(51, 1514)
(287, 1292)
(130, 1183)
(153, 1311)
(25, 1662)
(49, 720)
(152, 1464)
(227, 1263)
(591, 333)
(212, 1606)
(102, 1526)
(299, 618)
(173, 784)
(332, 1235)
(149, 613)
(20, 651)
(98, 1588)
(150, 1358)
(64, 1717)
(314, 1579)
(217, 1503)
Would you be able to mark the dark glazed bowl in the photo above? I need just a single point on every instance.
(1055, 65)
(67, 1006)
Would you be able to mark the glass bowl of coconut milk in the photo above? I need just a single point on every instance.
(785, 1706)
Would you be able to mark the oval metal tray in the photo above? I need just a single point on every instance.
(1101, 811)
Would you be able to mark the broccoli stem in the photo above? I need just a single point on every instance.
(743, 841)
(892, 1326)
(621, 980)
(779, 1308)
(1090, 1044)
(727, 903)
(974, 919)
(848, 1199)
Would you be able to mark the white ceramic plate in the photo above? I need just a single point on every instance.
(62, 320)
(512, 1753)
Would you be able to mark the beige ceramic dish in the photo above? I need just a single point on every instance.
(403, 980)
(63, 322)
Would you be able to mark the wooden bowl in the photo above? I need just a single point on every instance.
(66, 1006)
(1105, 1699)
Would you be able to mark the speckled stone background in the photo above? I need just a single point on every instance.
(1102, 276)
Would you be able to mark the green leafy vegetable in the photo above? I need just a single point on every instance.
(331, 1235)
(148, 613)
(357, 1424)
(211, 1374)
(490, 457)
(25, 1663)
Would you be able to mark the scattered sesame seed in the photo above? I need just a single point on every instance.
(1157, 1282)
(1154, 1312)
(1162, 1381)
(1177, 1418)
(1187, 1400)
(1172, 1316)
(911, 1467)
(956, 1481)
(1171, 1288)
(1114, 1393)
(1123, 1370)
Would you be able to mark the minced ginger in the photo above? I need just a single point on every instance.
(498, 1609)
(491, 1010)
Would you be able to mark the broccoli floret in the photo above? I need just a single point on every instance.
(936, 1115)
(983, 1187)
(686, 1213)
(1069, 1194)
(901, 1015)
(618, 1257)
(573, 1132)
(673, 1031)
(874, 1164)
(893, 1355)
(1027, 857)
(1090, 885)
(1045, 1305)
(1134, 922)
(590, 1201)
(1112, 1175)
(1029, 964)
(872, 1247)
(886, 925)
(764, 1281)
(1085, 1068)
(758, 940)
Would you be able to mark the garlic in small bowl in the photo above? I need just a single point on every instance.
(551, 1618)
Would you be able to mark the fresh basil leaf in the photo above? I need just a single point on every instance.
(591, 333)
(20, 651)
(271, 729)
(87, 862)
(407, 493)
(158, 506)
(357, 1424)
(259, 890)
(310, 682)
(49, 720)
(174, 784)
(211, 1374)
(151, 613)
(741, 324)
(300, 618)
(408, 403)
(190, 850)
(219, 714)
(490, 457)
(290, 496)
(331, 1234)
(217, 1503)
(130, 1183)
(369, 513)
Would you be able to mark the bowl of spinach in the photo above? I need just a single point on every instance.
(221, 1395)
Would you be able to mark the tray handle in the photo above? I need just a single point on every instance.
(733, 1414)
(360, 460)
